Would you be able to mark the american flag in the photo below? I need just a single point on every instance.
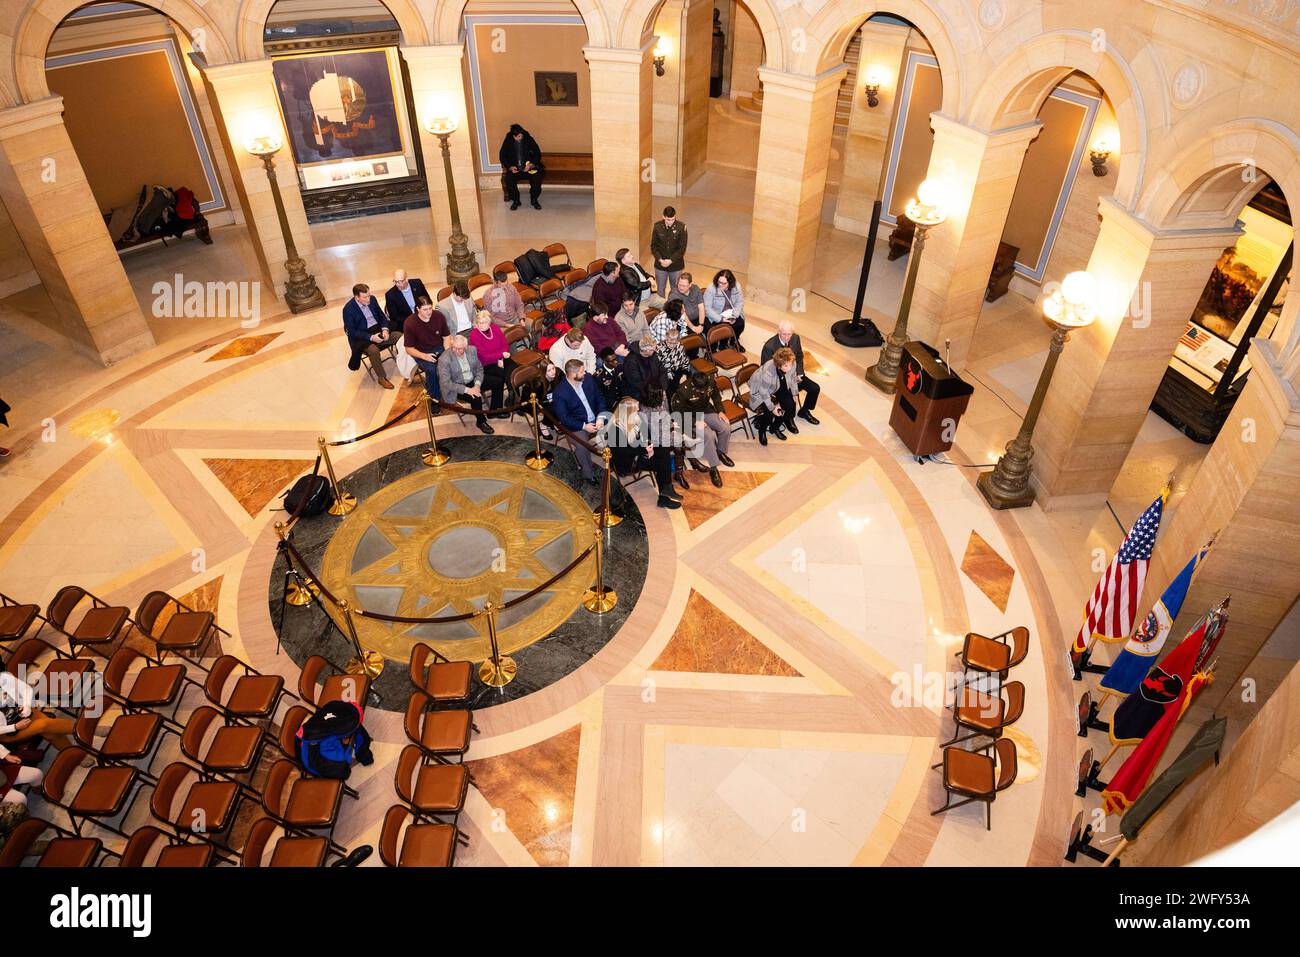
(1113, 607)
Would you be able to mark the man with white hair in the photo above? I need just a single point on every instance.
(400, 300)
(460, 377)
(787, 338)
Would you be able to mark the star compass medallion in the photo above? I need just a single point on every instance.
(444, 542)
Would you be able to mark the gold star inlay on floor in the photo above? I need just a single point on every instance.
(988, 570)
(445, 542)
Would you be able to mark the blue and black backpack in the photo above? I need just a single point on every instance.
(332, 739)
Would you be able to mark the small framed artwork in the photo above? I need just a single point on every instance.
(556, 89)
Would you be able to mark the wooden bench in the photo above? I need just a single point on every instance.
(564, 169)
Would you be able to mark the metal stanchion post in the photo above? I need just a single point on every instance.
(604, 517)
(369, 663)
(499, 670)
(344, 502)
(433, 455)
(539, 459)
(295, 592)
(599, 599)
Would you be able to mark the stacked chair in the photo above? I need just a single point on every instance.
(982, 715)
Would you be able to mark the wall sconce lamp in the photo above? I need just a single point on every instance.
(663, 49)
(1099, 153)
(875, 79)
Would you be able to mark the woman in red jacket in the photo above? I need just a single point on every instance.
(494, 352)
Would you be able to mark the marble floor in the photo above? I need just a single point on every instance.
(777, 693)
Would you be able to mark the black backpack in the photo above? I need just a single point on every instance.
(309, 496)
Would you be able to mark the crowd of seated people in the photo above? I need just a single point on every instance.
(625, 356)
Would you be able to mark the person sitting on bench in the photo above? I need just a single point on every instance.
(521, 158)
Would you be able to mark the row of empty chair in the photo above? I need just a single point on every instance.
(979, 774)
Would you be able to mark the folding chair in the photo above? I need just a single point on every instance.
(98, 628)
(185, 633)
(976, 776)
(420, 845)
(732, 410)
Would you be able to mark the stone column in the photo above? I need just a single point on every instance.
(681, 96)
(980, 170)
(244, 100)
(438, 89)
(794, 144)
(622, 145)
(1110, 371)
(54, 212)
(884, 46)
(1246, 491)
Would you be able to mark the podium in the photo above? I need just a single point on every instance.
(929, 400)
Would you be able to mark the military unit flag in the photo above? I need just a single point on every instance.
(1135, 659)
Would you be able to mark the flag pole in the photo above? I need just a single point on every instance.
(1115, 853)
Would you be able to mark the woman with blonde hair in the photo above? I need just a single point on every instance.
(632, 450)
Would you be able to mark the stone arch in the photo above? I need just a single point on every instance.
(37, 26)
(253, 14)
(445, 22)
(638, 21)
(1206, 185)
(831, 30)
(1019, 84)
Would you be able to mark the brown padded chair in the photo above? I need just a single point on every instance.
(208, 810)
(16, 618)
(234, 749)
(186, 632)
(724, 356)
(994, 655)
(438, 733)
(732, 410)
(253, 696)
(339, 686)
(745, 373)
(596, 266)
(438, 676)
(289, 851)
(973, 776)
(558, 256)
(171, 854)
(431, 790)
(302, 804)
(423, 845)
(696, 343)
(986, 715)
(105, 792)
(61, 851)
(133, 736)
(152, 686)
(98, 628)
(66, 685)
(527, 356)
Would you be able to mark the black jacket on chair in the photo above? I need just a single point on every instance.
(395, 303)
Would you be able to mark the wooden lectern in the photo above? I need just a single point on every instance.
(929, 400)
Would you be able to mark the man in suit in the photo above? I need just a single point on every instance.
(460, 379)
(521, 158)
(399, 301)
(368, 331)
(787, 338)
(459, 310)
(581, 409)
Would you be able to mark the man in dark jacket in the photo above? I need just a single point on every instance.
(368, 331)
(642, 366)
(668, 246)
(521, 158)
(787, 338)
(402, 295)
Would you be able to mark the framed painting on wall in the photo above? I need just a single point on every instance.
(556, 89)
(339, 106)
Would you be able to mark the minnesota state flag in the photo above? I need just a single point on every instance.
(1137, 656)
